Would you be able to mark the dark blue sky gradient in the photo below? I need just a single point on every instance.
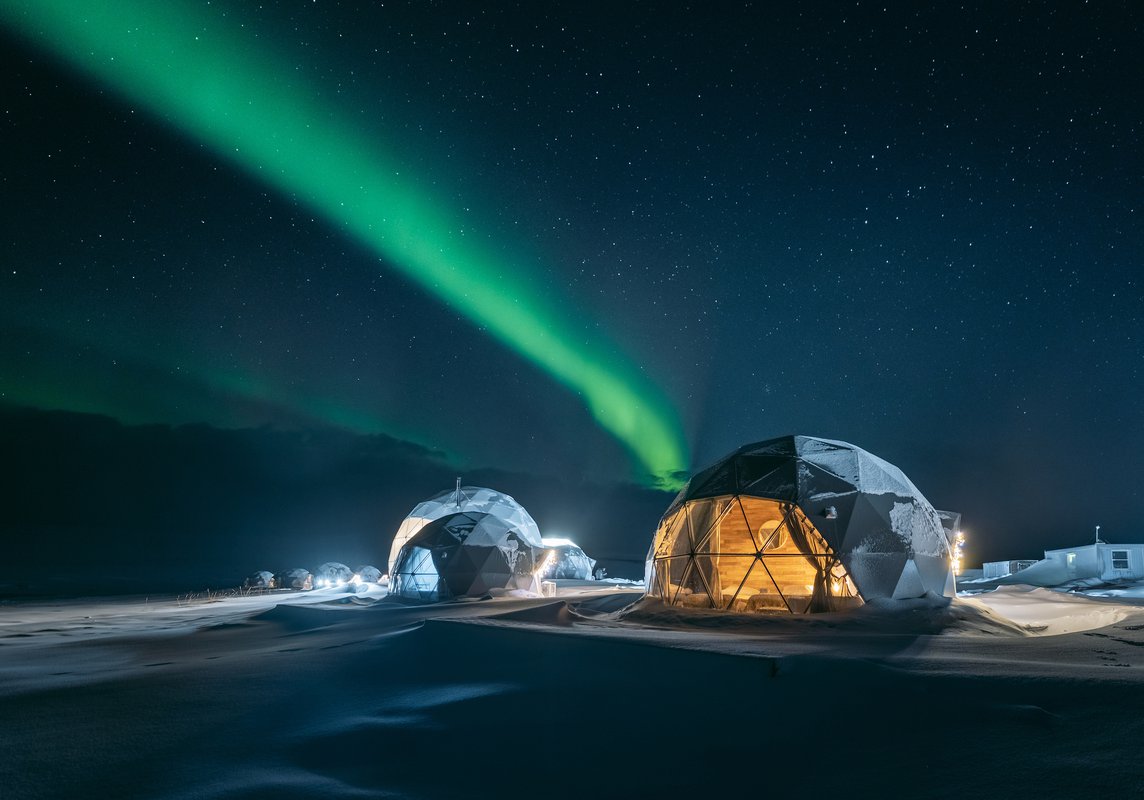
(914, 227)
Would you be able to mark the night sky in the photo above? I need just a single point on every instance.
(578, 245)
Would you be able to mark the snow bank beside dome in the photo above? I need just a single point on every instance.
(1045, 612)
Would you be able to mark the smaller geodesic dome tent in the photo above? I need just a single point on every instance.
(297, 578)
(263, 579)
(332, 573)
(463, 498)
(563, 559)
(465, 554)
(798, 524)
(368, 574)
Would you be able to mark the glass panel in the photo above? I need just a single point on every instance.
(772, 535)
(417, 575)
(715, 482)
(751, 468)
(705, 578)
(671, 538)
(763, 516)
(731, 535)
(791, 570)
(675, 572)
(694, 591)
(705, 516)
(759, 592)
(735, 576)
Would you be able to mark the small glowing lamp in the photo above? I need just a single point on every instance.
(958, 552)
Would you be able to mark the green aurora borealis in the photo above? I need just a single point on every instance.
(219, 84)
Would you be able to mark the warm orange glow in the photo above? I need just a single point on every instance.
(744, 554)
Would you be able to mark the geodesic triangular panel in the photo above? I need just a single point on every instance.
(933, 572)
(703, 518)
(492, 573)
(836, 458)
(760, 581)
(459, 572)
(784, 446)
(753, 468)
(763, 517)
(832, 518)
(816, 485)
(718, 481)
(870, 529)
(781, 483)
(489, 532)
(875, 574)
(416, 577)
(673, 537)
(909, 582)
(918, 524)
(876, 476)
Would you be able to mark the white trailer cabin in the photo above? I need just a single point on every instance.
(1108, 562)
(999, 569)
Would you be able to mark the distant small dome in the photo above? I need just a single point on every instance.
(332, 573)
(368, 574)
(263, 579)
(566, 560)
(294, 579)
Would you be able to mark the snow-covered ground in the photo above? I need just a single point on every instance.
(1017, 692)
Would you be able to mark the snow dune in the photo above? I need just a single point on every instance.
(1043, 611)
(311, 695)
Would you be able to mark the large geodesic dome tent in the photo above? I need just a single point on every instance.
(798, 524)
(464, 543)
(466, 554)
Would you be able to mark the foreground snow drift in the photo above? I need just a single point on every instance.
(343, 696)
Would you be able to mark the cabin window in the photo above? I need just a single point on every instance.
(1120, 559)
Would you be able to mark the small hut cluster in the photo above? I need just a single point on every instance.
(329, 574)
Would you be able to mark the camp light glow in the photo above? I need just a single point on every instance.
(958, 552)
(546, 564)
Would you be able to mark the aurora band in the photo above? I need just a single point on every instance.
(197, 69)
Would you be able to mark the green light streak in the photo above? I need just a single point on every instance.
(195, 68)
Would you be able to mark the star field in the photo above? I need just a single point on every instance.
(912, 227)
